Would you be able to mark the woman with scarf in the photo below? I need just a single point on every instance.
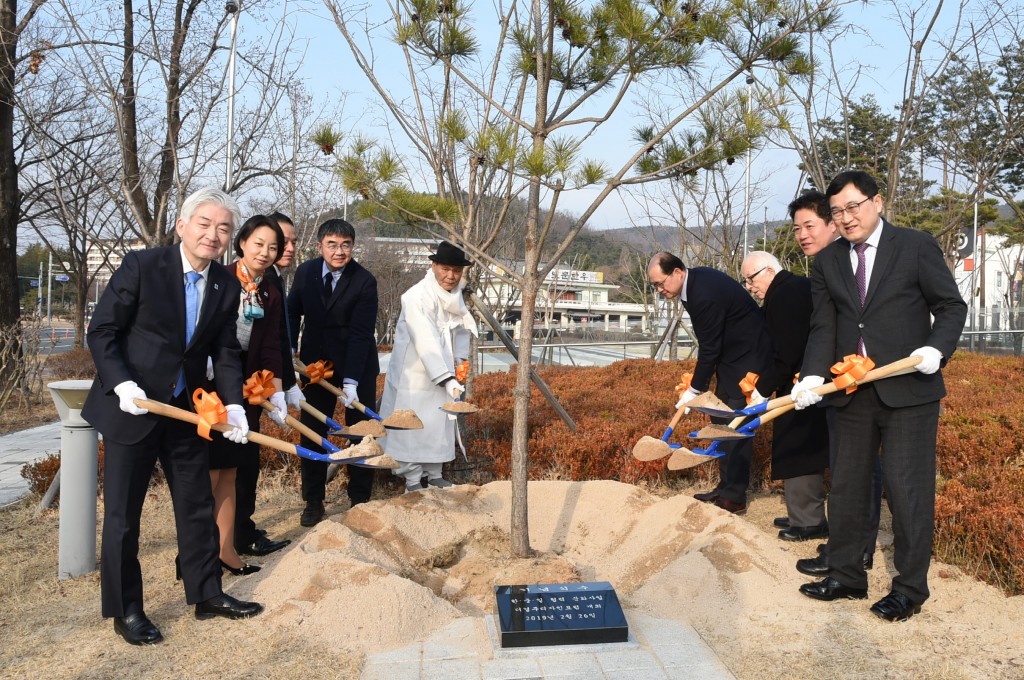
(432, 340)
(260, 314)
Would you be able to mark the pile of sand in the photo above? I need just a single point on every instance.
(394, 571)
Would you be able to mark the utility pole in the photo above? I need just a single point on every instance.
(49, 291)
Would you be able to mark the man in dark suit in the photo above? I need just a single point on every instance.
(799, 440)
(883, 292)
(163, 313)
(732, 341)
(249, 539)
(334, 301)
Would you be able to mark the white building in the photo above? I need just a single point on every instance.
(996, 284)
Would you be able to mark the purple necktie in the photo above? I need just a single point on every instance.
(862, 283)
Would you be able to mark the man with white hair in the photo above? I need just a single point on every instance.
(799, 439)
(164, 312)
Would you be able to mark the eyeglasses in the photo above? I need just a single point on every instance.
(658, 285)
(335, 247)
(850, 208)
(749, 280)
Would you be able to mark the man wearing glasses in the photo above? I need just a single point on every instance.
(732, 341)
(334, 302)
(883, 292)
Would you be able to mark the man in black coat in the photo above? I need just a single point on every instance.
(799, 439)
(732, 341)
(886, 293)
(163, 313)
(334, 302)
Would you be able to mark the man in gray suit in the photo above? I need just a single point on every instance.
(883, 292)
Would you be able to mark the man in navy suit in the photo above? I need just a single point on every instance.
(334, 302)
(732, 341)
(884, 292)
(163, 313)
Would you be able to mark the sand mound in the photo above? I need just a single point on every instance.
(390, 572)
(370, 428)
(460, 407)
(404, 419)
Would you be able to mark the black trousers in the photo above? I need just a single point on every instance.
(876, 486)
(734, 466)
(247, 476)
(906, 437)
(127, 470)
(314, 473)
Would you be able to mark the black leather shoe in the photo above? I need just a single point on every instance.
(895, 607)
(262, 546)
(243, 570)
(830, 589)
(803, 533)
(813, 566)
(818, 566)
(730, 506)
(137, 629)
(781, 522)
(228, 607)
(709, 497)
(313, 513)
(822, 548)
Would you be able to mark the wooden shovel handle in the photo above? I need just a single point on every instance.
(166, 410)
(901, 367)
(333, 389)
(295, 423)
(313, 411)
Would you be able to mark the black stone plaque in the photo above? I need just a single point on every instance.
(560, 614)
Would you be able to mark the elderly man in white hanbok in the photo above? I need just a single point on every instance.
(431, 339)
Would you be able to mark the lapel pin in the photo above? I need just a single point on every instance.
(216, 286)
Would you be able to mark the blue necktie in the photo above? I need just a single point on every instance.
(191, 313)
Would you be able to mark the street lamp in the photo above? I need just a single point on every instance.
(231, 7)
(746, 194)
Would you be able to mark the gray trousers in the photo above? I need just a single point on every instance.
(805, 500)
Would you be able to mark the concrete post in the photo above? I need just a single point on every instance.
(79, 447)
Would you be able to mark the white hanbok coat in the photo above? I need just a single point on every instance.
(433, 332)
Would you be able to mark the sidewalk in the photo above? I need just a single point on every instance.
(468, 649)
(19, 448)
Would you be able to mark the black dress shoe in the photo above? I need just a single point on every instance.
(813, 566)
(895, 607)
(830, 589)
(313, 513)
(709, 497)
(781, 522)
(137, 629)
(243, 570)
(262, 546)
(818, 566)
(803, 533)
(730, 506)
(228, 607)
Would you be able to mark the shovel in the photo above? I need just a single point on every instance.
(649, 448)
(168, 411)
(412, 422)
(683, 459)
(718, 432)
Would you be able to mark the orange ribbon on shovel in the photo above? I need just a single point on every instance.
(258, 387)
(210, 410)
(684, 385)
(320, 370)
(852, 368)
(747, 385)
(462, 371)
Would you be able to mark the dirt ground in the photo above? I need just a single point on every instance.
(403, 566)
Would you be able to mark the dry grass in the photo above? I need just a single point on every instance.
(24, 414)
(53, 629)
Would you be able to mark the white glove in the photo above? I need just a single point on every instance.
(209, 368)
(931, 358)
(277, 400)
(348, 394)
(756, 398)
(801, 394)
(685, 398)
(294, 397)
(128, 392)
(453, 388)
(236, 419)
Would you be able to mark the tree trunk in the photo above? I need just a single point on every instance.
(10, 310)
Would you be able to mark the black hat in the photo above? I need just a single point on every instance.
(450, 255)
